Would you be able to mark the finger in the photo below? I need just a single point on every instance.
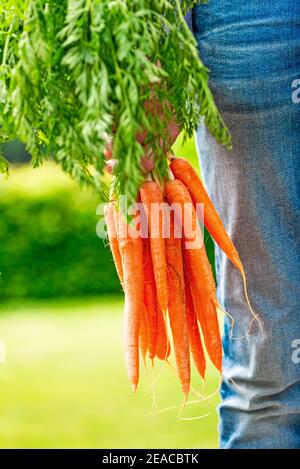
(110, 166)
(141, 137)
(147, 162)
(174, 131)
(170, 139)
(109, 148)
(107, 154)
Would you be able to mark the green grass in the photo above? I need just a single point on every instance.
(187, 150)
(64, 384)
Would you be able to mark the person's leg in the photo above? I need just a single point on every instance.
(253, 52)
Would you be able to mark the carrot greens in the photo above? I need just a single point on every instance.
(73, 72)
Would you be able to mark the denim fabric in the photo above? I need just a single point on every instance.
(253, 51)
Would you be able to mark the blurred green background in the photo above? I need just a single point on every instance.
(63, 383)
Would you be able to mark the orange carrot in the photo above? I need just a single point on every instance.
(131, 249)
(193, 331)
(143, 339)
(199, 275)
(112, 237)
(163, 348)
(176, 307)
(183, 171)
(152, 199)
(150, 299)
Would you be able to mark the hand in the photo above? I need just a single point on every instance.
(147, 161)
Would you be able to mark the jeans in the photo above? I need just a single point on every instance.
(253, 51)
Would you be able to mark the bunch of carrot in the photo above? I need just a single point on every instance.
(166, 275)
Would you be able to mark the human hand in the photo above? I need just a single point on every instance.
(147, 161)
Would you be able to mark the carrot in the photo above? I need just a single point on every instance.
(143, 339)
(150, 299)
(112, 237)
(163, 348)
(193, 331)
(183, 171)
(199, 275)
(152, 199)
(176, 307)
(131, 249)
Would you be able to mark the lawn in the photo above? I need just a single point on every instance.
(64, 384)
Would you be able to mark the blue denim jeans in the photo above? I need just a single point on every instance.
(253, 51)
